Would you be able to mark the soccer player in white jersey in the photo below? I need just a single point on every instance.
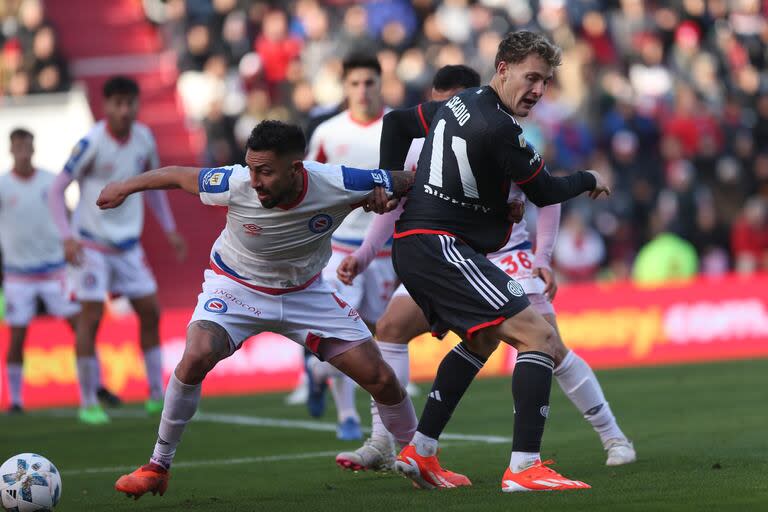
(104, 247)
(33, 257)
(266, 275)
(352, 138)
(403, 320)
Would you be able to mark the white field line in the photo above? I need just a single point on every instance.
(259, 421)
(214, 462)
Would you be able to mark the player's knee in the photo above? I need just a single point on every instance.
(482, 343)
(545, 339)
(391, 330)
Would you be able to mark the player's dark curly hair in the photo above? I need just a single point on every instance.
(120, 85)
(516, 46)
(455, 75)
(281, 138)
(357, 60)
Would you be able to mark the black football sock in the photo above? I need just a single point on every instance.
(531, 382)
(455, 374)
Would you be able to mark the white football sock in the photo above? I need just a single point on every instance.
(15, 372)
(180, 405)
(425, 446)
(580, 384)
(153, 362)
(400, 420)
(396, 355)
(343, 391)
(519, 461)
(87, 371)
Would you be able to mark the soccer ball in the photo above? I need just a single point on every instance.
(29, 483)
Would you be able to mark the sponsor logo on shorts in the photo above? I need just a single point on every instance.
(320, 223)
(544, 411)
(515, 289)
(252, 229)
(215, 306)
(236, 301)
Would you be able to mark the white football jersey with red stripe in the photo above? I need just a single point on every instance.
(29, 239)
(342, 140)
(283, 247)
(98, 159)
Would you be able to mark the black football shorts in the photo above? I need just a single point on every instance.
(457, 288)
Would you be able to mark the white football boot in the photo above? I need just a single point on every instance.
(377, 454)
(620, 451)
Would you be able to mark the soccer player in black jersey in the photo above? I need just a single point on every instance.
(456, 213)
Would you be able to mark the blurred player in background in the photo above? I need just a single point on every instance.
(104, 247)
(33, 257)
(351, 137)
(266, 275)
(458, 211)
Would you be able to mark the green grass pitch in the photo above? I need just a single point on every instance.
(701, 432)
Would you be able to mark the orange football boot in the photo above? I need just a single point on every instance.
(538, 477)
(148, 478)
(425, 472)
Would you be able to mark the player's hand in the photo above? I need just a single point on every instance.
(402, 181)
(377, 201)
(550, 283)
(347, 270)
(111, 196)
(600, 188)
(515, 211)
(179, 245)
(73, 251)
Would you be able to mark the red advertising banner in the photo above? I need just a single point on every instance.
(610, 326)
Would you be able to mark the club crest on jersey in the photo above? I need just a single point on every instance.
(521, 140)
(252, 229)
(514, 288)
(215, 306)
(320, 223)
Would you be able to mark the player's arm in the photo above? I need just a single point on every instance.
(376, 190)
(380, 230)
(398, 130)
(547, 226)
(185, 178)
(527, 170)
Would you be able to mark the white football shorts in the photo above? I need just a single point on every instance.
(125, 273)
(308, 316)
(21, 298)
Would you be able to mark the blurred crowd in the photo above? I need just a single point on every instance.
(30, 61)
(667, 99)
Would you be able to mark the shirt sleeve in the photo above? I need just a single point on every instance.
(398, 130)
(81, 158)
(214, 184)
(524, 166)
(352, 185)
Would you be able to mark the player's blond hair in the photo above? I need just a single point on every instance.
(516, 46)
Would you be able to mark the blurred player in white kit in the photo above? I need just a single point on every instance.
(33, 257)
(104, 247)
(352, 138)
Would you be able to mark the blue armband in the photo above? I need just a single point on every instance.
(214, 180)
(366, 179)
